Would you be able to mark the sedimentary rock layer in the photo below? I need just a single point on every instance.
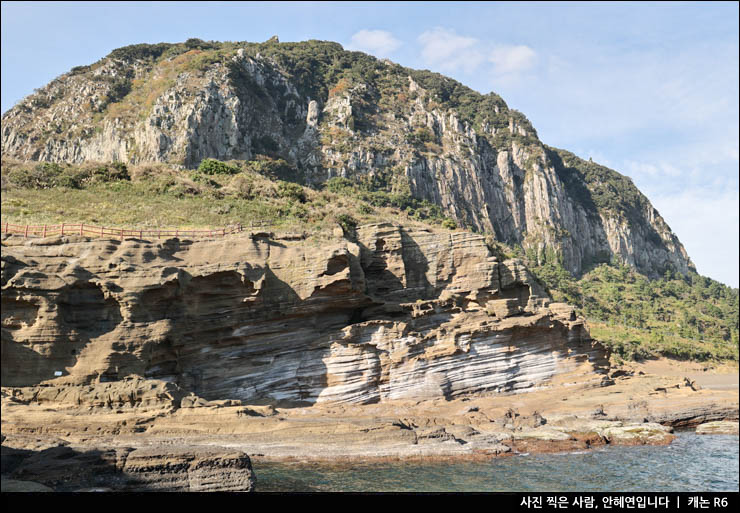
(159, 468)
(397, 313)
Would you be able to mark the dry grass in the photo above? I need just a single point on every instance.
(159, 196)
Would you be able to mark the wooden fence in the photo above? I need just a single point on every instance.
(47, 230)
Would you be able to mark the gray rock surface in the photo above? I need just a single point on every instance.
(495, 176)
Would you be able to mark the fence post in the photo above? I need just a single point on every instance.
(44, 231)
(25, 234)
(81, 227)
(121, 234)
(6, 227)
(141, 236)
(62, 228)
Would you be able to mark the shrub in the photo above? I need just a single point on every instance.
(448, 223)
(150, 170)
(216, 167)
(94, 172)
(339, 185)
(140, 51)
(46, 175)
(79, 69)
(195, 43)
(275, 169)
(291, 191)
(299, 211)
(420, 136)
(119, 89)
(365, 209)
(347, 222)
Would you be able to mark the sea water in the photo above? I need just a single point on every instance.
(691, 463)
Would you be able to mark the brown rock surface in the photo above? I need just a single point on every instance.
(293, 348)
(402, 313)
(718, 428)
(163, 467)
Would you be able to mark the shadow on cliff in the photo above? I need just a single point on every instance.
(575, 186)
(65, 469)
(164, 468)
(381, 283)
(415, 265)
(77, 313)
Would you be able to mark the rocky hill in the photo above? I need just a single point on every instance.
(330, 113)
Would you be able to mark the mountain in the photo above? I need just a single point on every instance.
(347, 312)
(329, 113)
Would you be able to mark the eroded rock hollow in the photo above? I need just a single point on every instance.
(394, 313)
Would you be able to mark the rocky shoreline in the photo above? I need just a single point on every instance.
(211, 445)
(173, 365)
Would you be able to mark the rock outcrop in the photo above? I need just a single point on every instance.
(170, 468)
(720, 427)
(407, 131)
(399, 313)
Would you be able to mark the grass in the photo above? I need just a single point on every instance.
(158, 196)
(688, 317)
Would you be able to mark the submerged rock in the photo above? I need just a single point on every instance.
(721, 427)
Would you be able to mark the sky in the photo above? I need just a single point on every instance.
(648, 89)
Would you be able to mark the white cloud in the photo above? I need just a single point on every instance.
(445, 50)
(638, 92)
(512, 59)
(377, 42)
(632, 168)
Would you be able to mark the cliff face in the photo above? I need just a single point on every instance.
(401, 313)
(64, 468)
(333, 113)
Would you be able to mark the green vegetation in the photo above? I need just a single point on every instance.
(691, 317)
(347, 222)
(373, 191)
(683, 317)
(140, 51)
(216, 167)
(291, 191)
(150, 195)
(47, 175)
(322, 69)
(420, 137)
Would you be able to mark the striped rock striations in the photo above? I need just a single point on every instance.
(394, 313)
(331, 113)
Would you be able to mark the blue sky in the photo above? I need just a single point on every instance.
(649, 89)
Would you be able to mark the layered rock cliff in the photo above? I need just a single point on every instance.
(331, 113)
(281, 319)
(56, 465)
